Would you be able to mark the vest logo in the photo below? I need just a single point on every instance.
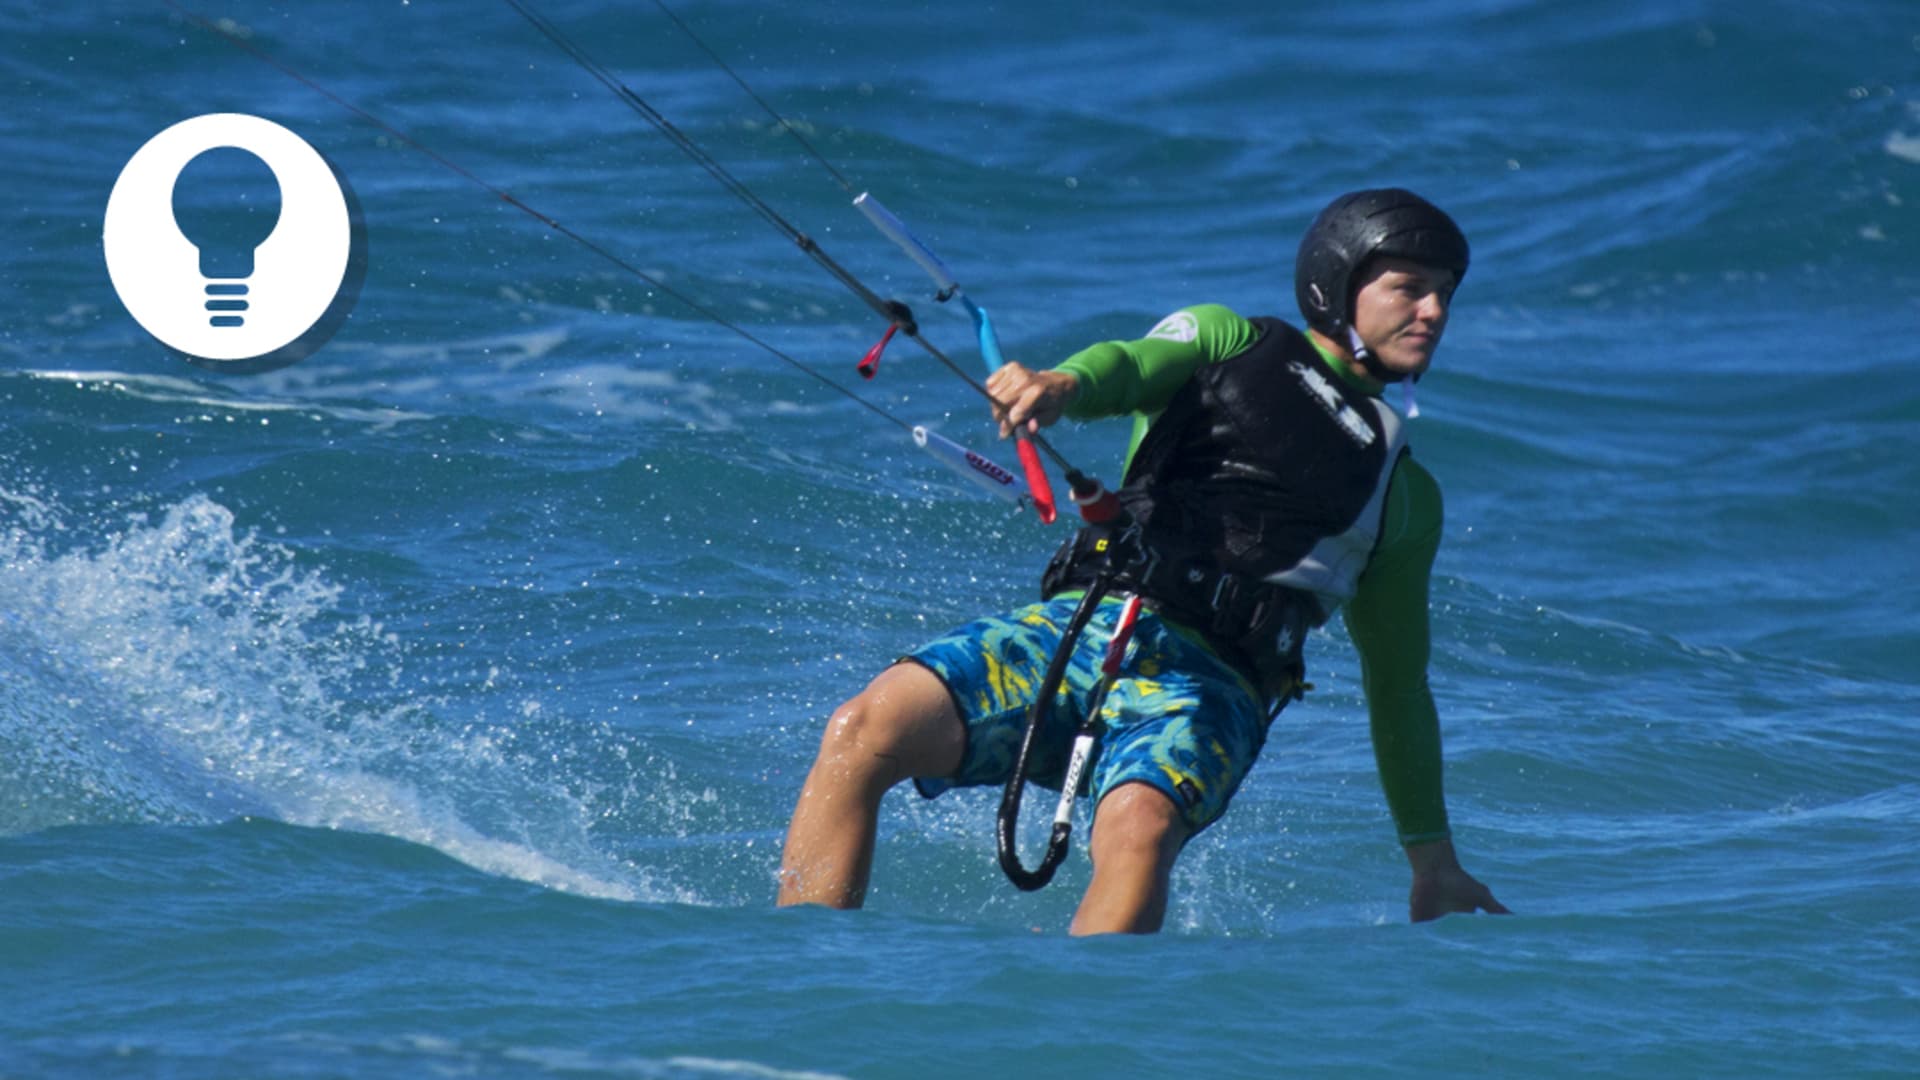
(1330, 399)
(1283, 644)
(1180, 326)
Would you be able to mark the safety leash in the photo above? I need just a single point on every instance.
(1097, 506)
(1084, 739)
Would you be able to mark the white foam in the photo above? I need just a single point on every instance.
(362, 802)
(167, 389)
(610, 389)
(508, 349)
(184, 670)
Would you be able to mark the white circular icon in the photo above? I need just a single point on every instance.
(297, 271)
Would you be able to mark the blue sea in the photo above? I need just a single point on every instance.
(434, 706)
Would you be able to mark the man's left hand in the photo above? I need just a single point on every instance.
(1442, 887)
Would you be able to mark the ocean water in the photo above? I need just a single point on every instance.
(434, 706)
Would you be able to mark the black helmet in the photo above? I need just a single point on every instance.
(1359, 226)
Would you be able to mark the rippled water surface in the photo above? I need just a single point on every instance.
(435, 705)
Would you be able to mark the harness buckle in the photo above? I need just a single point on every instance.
(1225, 591)
(1238, 603)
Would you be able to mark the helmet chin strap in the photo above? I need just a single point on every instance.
(1363, 356)
(1372, 365)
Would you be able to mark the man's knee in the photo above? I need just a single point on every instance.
(863, 736)
(1137, 821)
(901, 725)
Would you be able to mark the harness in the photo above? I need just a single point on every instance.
(1258, 627)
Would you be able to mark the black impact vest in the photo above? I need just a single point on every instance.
(1256, 499)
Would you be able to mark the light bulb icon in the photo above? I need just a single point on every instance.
(234, 243)
(226, 202)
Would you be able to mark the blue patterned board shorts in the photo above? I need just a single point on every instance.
(1178, 718)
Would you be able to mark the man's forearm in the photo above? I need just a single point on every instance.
(1406, 748)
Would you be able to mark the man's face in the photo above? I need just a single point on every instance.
(1400, 311)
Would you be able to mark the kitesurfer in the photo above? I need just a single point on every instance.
(1269, 486)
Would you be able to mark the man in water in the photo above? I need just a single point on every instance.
(1271, 486)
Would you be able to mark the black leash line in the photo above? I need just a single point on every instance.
(893, 311)
(1092, 726)
(785, 125)
(514, 201)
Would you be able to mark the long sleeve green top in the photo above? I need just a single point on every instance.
(1387, 617)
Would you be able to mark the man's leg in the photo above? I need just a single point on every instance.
(1137, 833)
(903, 724)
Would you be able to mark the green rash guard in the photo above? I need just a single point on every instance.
(1387, 617)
